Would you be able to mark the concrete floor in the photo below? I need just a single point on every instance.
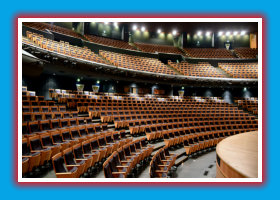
(203, 166)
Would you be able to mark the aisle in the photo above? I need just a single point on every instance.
(203, 166)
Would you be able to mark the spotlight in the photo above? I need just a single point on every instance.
(134, 27)
(228, 33)
(106, 23)
(199, 33)
(78, 80)
(115, 24)
(143, 28)
(208, 33)
(159, 31)
(220, 33)
(174, 32)
(243, 32)
(98, 82)
(235, 32)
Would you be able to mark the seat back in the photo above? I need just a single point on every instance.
(58, 163)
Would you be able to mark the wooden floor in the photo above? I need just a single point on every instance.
(238, 156)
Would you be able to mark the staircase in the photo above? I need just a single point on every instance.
(175, 70)
(133, 45)
(223, 72)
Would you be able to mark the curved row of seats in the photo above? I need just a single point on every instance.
(126, 161)
(153, 48)
(246, 52)
(249, 104)
(40, 148)
(200, 69)
(242, 52)
(161, 163)
(240, 70)
(43, 26)
(208, 53)
(136, 62)
(109, 42)
(64, 48)
(84, 156)
(202, 141)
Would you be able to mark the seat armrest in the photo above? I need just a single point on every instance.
(161, 171)
(73, 165)
(118, 172)
(34, 151)
(163, 165)
(26, 156)
(65, 173)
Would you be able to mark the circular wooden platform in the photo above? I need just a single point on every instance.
(237, 156)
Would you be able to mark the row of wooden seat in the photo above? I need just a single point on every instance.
(246, 52)
(161, 163)
(64, 48)
(197, 142)
(240, 70)
(38, 116)
(38, 127)
(38, 103)
(85, 155)
(131, 121)
(178, 136)
(122, 161)
(154, 132)
(38, 149)
(153, 48)
(109, 42)
(139, 126)
(250, 105)
(201, 70)
(43, 26)
(136, 62)
(209, 53)
(87, 96)
(43, 109)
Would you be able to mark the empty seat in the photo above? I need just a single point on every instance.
(62, 171)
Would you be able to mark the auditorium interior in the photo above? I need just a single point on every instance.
(115, 99)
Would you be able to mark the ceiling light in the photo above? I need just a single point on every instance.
(228, 33)
(243, 32)
(220, 33)
(159, 31)
(143, 28)
(174, 32)
(134, 27)
(199, 33)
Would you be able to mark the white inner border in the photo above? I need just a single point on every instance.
(258, 20)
